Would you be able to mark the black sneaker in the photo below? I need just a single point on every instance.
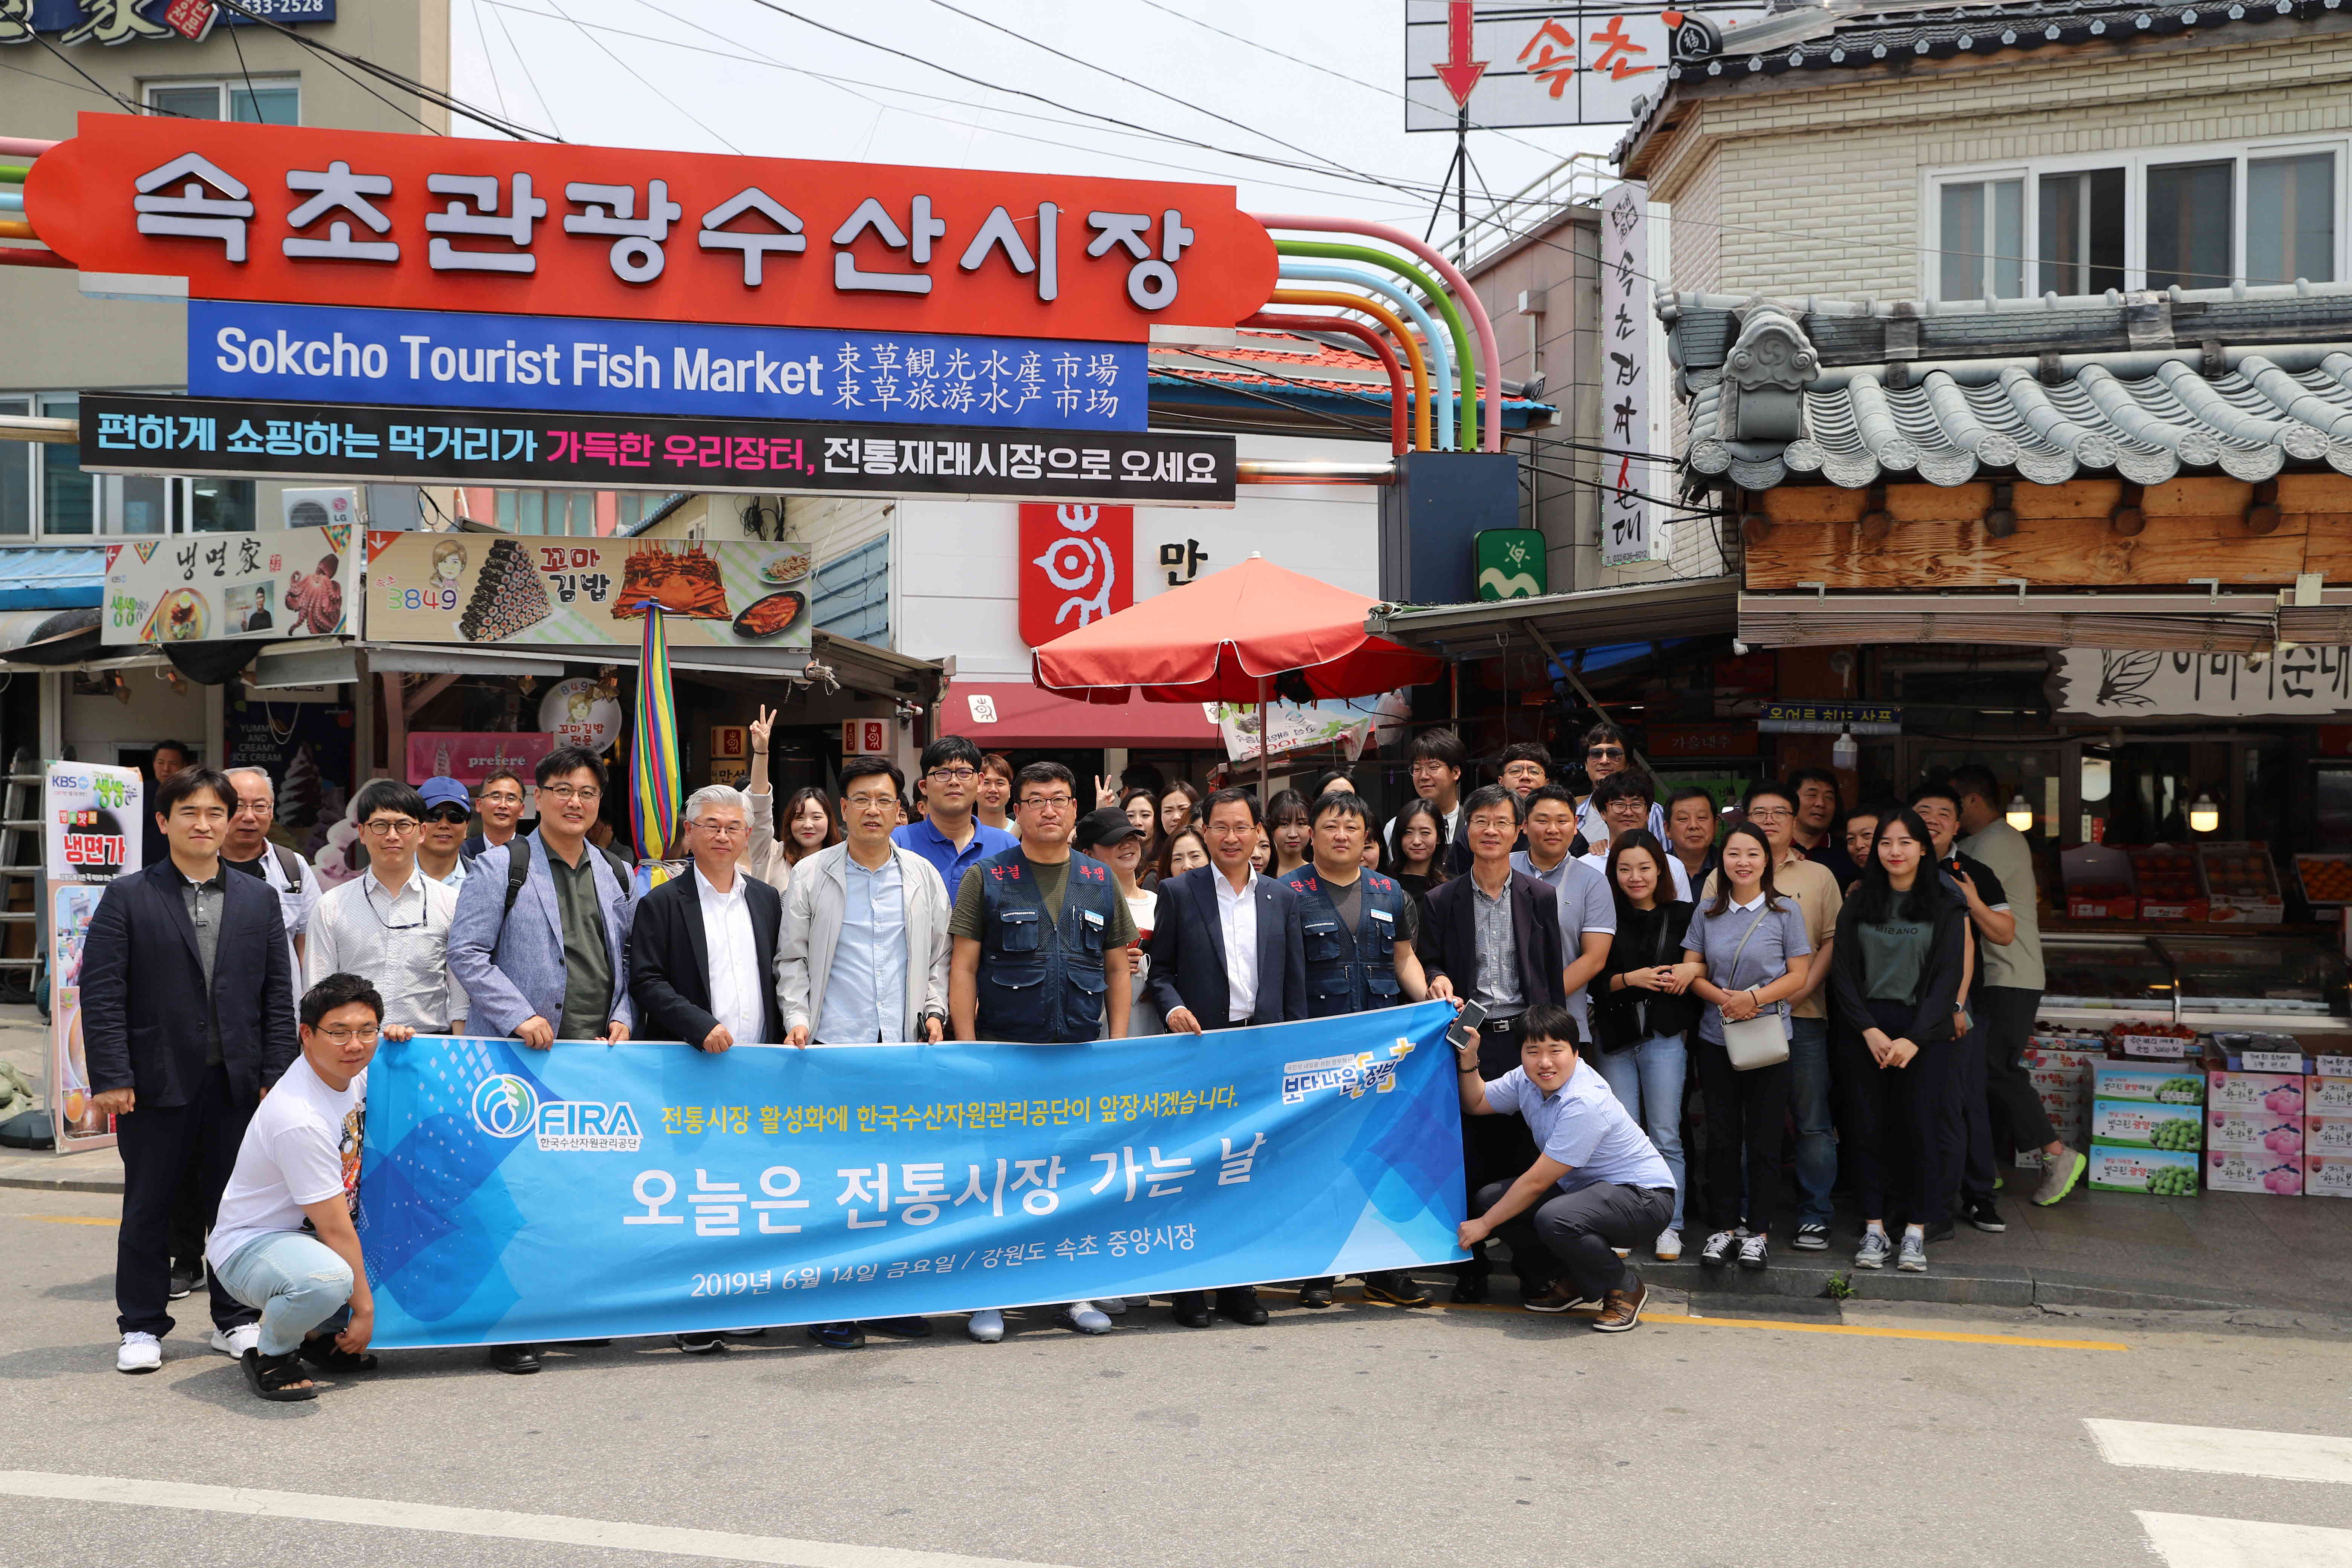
(1942, 1230)
(836, 1336)
(1314, 1293)
(899, 1328)
(700, 1344)
(1470, 1290)
(1984, 1214)
(1394, 1290)
(185, 1277)
(1811, 1237)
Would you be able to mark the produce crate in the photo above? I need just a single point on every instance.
(2169, 889)
(2241, 884)
(2326, 879)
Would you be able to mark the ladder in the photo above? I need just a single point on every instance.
(20, 837)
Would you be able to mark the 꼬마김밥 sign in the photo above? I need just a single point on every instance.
(507, 1195)
(481, 588)
(206, 587)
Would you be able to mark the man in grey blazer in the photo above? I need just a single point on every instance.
(547, 957)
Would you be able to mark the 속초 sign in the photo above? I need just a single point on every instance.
(207, 587)
(310, 215)
(90, 835)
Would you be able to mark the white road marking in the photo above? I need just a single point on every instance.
(2187, 1541)
(558, 1529)
(2222, 1450)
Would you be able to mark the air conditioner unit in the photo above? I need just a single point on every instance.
(317, 508)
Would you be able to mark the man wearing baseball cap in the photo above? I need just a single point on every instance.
(448, 808)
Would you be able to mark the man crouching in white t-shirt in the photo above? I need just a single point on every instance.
(284, 1242)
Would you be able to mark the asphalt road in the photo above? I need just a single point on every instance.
(1358, 1435)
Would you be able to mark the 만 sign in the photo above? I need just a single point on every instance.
(302, 216)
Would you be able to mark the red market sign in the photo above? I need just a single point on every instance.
(1077, 565)
(346, 217)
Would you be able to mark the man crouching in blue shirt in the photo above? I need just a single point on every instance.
(1598, 1185)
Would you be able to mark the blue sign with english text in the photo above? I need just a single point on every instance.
(425, 359)
(509, 1195)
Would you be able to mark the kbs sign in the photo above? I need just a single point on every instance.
(304, 215)
(1077, 565)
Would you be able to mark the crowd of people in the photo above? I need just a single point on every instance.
(1860, 980)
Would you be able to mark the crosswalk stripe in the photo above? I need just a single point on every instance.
(558, 1529)
(2222, 1450)
(2190, 1541)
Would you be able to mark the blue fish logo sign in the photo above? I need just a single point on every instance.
(504, 1106)
(1354, 1072)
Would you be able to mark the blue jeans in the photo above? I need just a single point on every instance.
(1647, 1080)
(1809, 1099)
(297, 1282)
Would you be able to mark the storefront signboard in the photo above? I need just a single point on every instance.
(2302, 682)
(1077, 566)
(1802, 717)
(582, 713)
(90, 836)
(1291, 727)
(864, 737)
(1627, 322)
(214, 587)
(305, 215)
(470, 758)
(143, 434)
(454, 359)
(110, 22)
(473, 589)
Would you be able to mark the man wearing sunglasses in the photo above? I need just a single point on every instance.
(948, 835)
(390, 925)
(440, 845)
(1606, 752)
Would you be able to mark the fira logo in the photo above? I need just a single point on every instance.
(504, 1106)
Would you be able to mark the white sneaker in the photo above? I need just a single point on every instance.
(234, 1342)
(140, 1352)
(1669, 1245)
(1083, 1316)
(1871, 1253)
(987, 1325)
(1116, 1306)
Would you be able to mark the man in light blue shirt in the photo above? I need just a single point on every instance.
(948, 836)
(1588, 913)
(1599, 1182)
(865, 995)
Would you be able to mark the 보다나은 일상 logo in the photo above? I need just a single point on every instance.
(1355, 1072)
(506, 1106)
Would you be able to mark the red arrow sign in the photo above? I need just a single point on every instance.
(1457, 70)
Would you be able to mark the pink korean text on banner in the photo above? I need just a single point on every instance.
(89, 836)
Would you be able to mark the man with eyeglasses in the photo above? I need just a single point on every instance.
(500, 802)
(441, 840)
(1606, 752)
(247, 847)
(542, 939)
(948, 835)
(1031, 927)
(1438, 758)
(390, 925)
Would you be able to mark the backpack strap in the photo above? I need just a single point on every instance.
(292, 865)
(518, 869)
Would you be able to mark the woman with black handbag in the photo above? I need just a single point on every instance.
(1644, 1011)
(1896, 965)
(1746, 953)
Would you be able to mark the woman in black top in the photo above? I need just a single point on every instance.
(1642, 1009)
(1896, 968)
(1415, 852)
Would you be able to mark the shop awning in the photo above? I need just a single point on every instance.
(1644, 612)
(2184, 623)
(859, 667)
(46, 577)
(1024, 716)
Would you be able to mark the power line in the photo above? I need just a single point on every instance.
(544, 107)
(101, 87)
(633, 71)
(487, 63)
(432, 95)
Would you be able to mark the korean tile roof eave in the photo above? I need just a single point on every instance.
(2145, 419)
(1948, 31)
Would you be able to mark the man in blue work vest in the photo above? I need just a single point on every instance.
(1358, 929)
(1031, 926)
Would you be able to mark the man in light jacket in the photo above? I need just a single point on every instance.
(863, 956)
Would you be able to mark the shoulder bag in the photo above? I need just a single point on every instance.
(1761, 1041)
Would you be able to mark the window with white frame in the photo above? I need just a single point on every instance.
(249, 100)
(44, 494)
(2200, 218)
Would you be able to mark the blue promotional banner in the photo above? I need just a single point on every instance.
(428, 359)
(509, 1195)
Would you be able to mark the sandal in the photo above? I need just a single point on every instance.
(324, 1353)
(272, 1375)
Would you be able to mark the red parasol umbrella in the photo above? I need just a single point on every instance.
(1229, 637)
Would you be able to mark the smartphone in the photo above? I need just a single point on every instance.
(1457, 1034)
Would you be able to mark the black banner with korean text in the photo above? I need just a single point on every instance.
(137, 434)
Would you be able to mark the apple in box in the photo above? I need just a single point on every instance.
(2281, 1094)
(2253, 1132)
(2236, 1171)
(2328, 1176)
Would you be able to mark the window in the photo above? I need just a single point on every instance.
(45, 494)
(548, 512)
(2195, 218)
(260, 101)
(1983, 240)
(15, 476)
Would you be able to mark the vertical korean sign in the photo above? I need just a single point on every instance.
(91, 836)
(1625, 373)
(1077, 565)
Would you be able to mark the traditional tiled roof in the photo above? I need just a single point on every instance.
(1767, 409)
(1842, 35)
(1296, 368)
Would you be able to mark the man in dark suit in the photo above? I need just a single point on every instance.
(183, 1044)
(1226, 948)
(1493, 938)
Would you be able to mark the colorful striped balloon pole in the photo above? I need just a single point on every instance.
(653, 808)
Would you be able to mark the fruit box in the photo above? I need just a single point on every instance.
(2329, 1135)
(2167, 881)
(2163, 1172)
(2326, 1177)
(2146, 1124)
(2241, 884)
(2326, 879)
(2235, 1171)
(2255, 1132)
(2328, 1095)
(2098, 883)
(2281, 1094)
(2173, 1086)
